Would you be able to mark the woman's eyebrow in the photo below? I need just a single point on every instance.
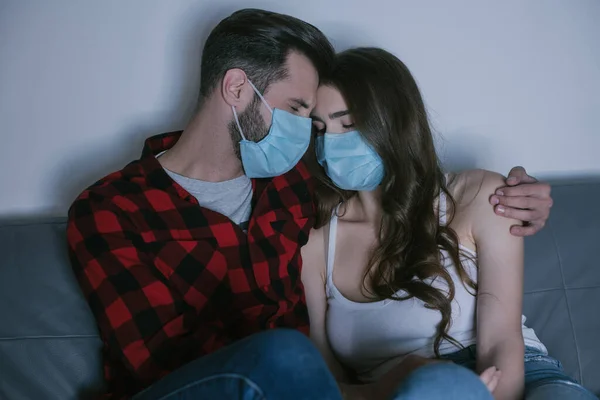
(338, 114)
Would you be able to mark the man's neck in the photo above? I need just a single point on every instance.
(204, 151)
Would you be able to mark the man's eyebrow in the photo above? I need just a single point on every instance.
(338, 114)
(301, 103)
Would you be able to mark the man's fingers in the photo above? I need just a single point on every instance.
(541, 204)
(514, 213)
(518, 175)
(528, 230)
(540, 190)
(523, 202)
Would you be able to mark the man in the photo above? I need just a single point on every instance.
(186, 254)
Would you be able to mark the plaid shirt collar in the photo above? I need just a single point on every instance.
(154, 171)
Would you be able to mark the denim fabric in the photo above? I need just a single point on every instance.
(275, 364)
(544, 375)
(442, 381)
(283, 364)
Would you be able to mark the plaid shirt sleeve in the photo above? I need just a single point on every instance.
(146, 326)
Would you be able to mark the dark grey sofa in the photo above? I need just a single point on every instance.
(49, 345)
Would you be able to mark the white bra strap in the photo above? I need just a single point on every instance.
(331, 245)
(443, 205)
(442, 208)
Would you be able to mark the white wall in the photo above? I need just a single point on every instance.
(83, 82)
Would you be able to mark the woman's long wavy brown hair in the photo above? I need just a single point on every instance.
(388, 110)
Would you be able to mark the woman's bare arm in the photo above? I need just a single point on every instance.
(313, 279)
(500, 288)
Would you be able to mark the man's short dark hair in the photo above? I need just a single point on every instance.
(258, 42)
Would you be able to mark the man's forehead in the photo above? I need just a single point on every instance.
(304, 93)
(300, 83)
(303, 75)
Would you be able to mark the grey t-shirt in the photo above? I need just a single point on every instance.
(232, 198)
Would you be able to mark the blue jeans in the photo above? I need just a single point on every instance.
(274, 364)
(284, 364)
(544, 376)
(442, 381)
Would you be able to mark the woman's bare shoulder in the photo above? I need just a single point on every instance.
(472, 188)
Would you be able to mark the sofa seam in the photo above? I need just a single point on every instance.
(562, 288)
(51, 221)
(47, 337)
(565, 291)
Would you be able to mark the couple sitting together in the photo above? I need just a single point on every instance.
(305, 198)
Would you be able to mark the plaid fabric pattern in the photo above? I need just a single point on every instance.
(169, 281)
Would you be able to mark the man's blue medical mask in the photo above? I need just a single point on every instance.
(281, 149)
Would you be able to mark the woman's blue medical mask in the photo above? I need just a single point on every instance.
(281, 149)
(349, 161)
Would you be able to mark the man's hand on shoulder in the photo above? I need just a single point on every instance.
(525, 199)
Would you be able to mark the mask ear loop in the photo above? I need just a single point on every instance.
(237, 122)
(260, 96)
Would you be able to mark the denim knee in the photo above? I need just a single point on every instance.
(443, 371)
(442, 381)
(282, 346)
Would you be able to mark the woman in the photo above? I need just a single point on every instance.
(407, 261)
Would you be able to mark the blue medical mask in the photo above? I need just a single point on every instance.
(281, 149)
(349, 161)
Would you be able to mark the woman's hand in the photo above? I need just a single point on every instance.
(490, 378)
(390, 381)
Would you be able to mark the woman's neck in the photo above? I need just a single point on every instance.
(366, 206)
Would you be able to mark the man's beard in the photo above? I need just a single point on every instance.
(252, 123)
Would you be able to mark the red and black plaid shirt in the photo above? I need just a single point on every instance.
(169, 281)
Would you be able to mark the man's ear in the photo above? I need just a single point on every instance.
(234, 89)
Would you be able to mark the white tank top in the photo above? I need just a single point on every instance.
(371, 338)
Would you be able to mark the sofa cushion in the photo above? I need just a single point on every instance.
(49, 344)
(562, 281)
